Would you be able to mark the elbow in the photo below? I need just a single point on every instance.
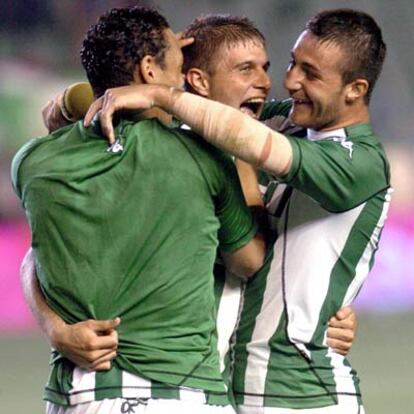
(249, 266)
(253, 265)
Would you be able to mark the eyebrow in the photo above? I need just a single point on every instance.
(306, 65)
(251, 62)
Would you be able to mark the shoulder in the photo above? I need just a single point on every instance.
(22, 160)
(340, 172)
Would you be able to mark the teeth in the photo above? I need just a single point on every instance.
(254, 100)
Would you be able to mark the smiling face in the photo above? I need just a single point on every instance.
(239, 78)
(315, 84)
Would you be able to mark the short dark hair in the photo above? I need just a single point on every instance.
(117, 43)
(359, 37)
(210, 33)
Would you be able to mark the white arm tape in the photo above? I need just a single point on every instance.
(234, 132)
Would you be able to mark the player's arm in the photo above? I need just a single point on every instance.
(246, 260)
(90, 344)
(342, 330)
(67, 107)
(239, 208)
(225, 127)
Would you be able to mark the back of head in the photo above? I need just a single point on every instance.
(210, 33)
(359, 37)
(116, 44)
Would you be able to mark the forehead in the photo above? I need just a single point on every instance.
(233, 53)
(316, 52)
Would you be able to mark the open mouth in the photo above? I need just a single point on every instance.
(301, 101)
(252, 107)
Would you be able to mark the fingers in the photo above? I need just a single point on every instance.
(103, 363)
(106, 106)
(345, 318)
(106, 325)
(184, 41)
(340, 334)
(52, 114)
(46, 113)
(340, 339)
(338, 346)
(345, 313)
(93, 361)
(92, 111)
(106, 115)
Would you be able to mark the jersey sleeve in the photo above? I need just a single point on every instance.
(17, 178)
(237, 224)
(338, 174)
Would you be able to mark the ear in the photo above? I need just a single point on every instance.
(148, 70)
(356, 89)
(199, 81)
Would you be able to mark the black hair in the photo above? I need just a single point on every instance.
(116, 44)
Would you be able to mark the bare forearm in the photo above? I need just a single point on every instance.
(47, 319)
(229, 129)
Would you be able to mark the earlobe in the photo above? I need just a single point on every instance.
(199, 81)
(357, 90)
(147, 68)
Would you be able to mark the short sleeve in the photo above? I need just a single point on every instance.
(237, 225)
(338, 174)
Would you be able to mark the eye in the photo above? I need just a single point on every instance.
(311, 75)
(245, 68)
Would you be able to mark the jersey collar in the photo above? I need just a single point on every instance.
(318, 135)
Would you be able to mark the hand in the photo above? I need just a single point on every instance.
(52, 114)
(90, 344)
(341, 330)
(133, 97)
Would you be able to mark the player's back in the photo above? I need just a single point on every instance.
(133, 234)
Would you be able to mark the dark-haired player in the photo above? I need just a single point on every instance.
(327, 204)
(133, 232)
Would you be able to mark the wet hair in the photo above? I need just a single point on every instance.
(213, 31)
(359, 37)
(117, 43)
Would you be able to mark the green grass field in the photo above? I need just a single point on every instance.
(382, 355)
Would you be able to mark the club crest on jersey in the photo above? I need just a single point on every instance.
(344, 143)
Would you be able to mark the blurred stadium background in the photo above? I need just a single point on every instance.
(39, 46)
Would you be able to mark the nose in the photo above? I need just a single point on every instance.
(263, 80)
(292, 81)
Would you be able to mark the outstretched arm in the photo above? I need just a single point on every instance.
(89, 344)
(221, 125)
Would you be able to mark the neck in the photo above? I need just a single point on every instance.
(164, 117)
(358, 116)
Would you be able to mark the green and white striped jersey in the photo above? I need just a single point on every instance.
(326, 217)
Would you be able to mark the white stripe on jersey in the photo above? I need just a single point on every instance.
(267, 322)
(313, 239)
(83, 386)
(139, 386)
(227, 314)
(362, 269)
(196, 396)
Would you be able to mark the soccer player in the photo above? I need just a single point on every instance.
(327, 205)
(133, 232)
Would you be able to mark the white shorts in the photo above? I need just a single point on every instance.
(332, 409)
(139, 406)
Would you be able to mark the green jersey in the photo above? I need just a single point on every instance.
(326, 216)
(133, 234)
